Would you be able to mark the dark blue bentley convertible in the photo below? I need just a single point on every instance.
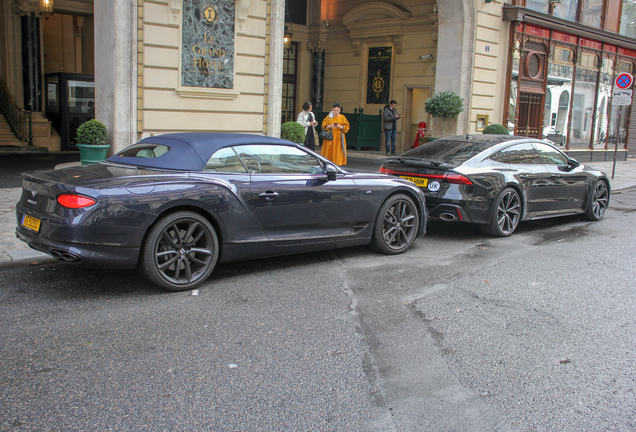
(177, 204)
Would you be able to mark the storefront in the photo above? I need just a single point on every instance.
(561, 77)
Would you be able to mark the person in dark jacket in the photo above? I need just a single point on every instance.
(390, 117)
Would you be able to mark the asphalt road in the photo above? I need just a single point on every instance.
(464, 332)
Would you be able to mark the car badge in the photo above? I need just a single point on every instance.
(434, 186)
(33, 193)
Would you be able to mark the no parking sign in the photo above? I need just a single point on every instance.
(624, 81)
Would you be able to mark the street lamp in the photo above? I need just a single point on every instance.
(289, 32)
(46, 8)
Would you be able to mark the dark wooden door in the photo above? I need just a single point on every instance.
(529, 108)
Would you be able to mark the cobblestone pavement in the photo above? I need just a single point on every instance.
(14, 251)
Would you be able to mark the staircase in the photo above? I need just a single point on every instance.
(10, 144)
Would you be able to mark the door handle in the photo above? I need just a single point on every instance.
(523, 176)
(269, 195)
(556, 175)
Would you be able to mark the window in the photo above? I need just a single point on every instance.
(275, 159)
(525, 154)
(502, 156)
(592, 13)
(628, 19)
(567, 10)
(551, 156)
(147, 151)
(225, 161)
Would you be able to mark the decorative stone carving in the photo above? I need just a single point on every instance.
(316, 46)
(355, 43)
(242, 9)
(26, 7)
(434, 23)
(397, 41)
(175, 11)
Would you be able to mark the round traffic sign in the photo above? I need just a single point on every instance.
(624, 81)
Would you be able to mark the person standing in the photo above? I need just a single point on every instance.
(390, 118)
(307, 119)
(335, 149)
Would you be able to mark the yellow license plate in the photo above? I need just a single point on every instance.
(31, 223)
(422, 182)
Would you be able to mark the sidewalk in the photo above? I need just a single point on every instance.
(13, 252)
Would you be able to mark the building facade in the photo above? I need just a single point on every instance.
(542, 68)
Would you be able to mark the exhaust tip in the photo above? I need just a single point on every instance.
(65, 256)
(447, 217)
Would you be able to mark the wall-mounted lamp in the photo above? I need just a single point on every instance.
(289, 32)
(554, 3)
(46, 8)
(427, 57)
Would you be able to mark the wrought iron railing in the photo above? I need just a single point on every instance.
(18, 118)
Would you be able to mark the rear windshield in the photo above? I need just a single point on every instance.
(145, 150)
(449, 152)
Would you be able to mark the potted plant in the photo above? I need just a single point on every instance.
(91, 141)
(446, 105)
(293, 132)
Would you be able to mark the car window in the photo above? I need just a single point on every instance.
(551, 156)
(502, 156)
(450, 152)
(524, 154)
(146, 151)
(225, 160)
(275, 159)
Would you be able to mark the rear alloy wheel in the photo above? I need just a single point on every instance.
(180, 251)
(396, 226)
(598, 201)
(506, 214)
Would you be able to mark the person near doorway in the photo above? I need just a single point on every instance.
(307, 119)
(390, 118)
(336, 149)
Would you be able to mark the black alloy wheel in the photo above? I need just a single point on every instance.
(506, 214)
(598, 201)
(396, 226)
(180, 251)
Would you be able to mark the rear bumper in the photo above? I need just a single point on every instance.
(97, 256)
(471, 211)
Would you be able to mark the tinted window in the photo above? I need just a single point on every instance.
(273, 159)
(502, 156)
(551, 156)
(450, 152)
(524, 154)
(225, 161)
(146, 150)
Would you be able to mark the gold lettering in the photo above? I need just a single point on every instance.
(208, 39)
(196, 49)
(197, 62)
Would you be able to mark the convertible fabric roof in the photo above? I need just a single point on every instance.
(191, 150)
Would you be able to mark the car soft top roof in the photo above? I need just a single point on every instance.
(190, 151)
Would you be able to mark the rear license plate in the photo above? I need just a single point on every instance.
(31, 223)
(422, 182)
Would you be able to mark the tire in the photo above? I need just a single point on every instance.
(396, 226)
(598, 201)
(180, 251)
(506, 214)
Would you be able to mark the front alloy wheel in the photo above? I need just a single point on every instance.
(180, 251)
(598, 201)
(396, 226)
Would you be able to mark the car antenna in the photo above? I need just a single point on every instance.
(468, 136)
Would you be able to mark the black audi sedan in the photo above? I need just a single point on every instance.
(177, 204)
(497, 181)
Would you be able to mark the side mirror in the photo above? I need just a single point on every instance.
(573, 163)
(331, 172)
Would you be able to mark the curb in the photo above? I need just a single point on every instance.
(23, 258)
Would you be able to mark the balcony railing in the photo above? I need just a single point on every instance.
(18, 118)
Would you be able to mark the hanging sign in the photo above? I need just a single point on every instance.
(379, 75)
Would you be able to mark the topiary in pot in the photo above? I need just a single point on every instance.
(292, 131)
(91, 142)
(446, 104)
(495, 129)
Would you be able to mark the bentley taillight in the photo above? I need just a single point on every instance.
(75, 201)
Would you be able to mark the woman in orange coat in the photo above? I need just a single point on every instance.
(335, 149)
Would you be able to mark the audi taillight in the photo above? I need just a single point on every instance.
(75, 201)
(449, 177)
